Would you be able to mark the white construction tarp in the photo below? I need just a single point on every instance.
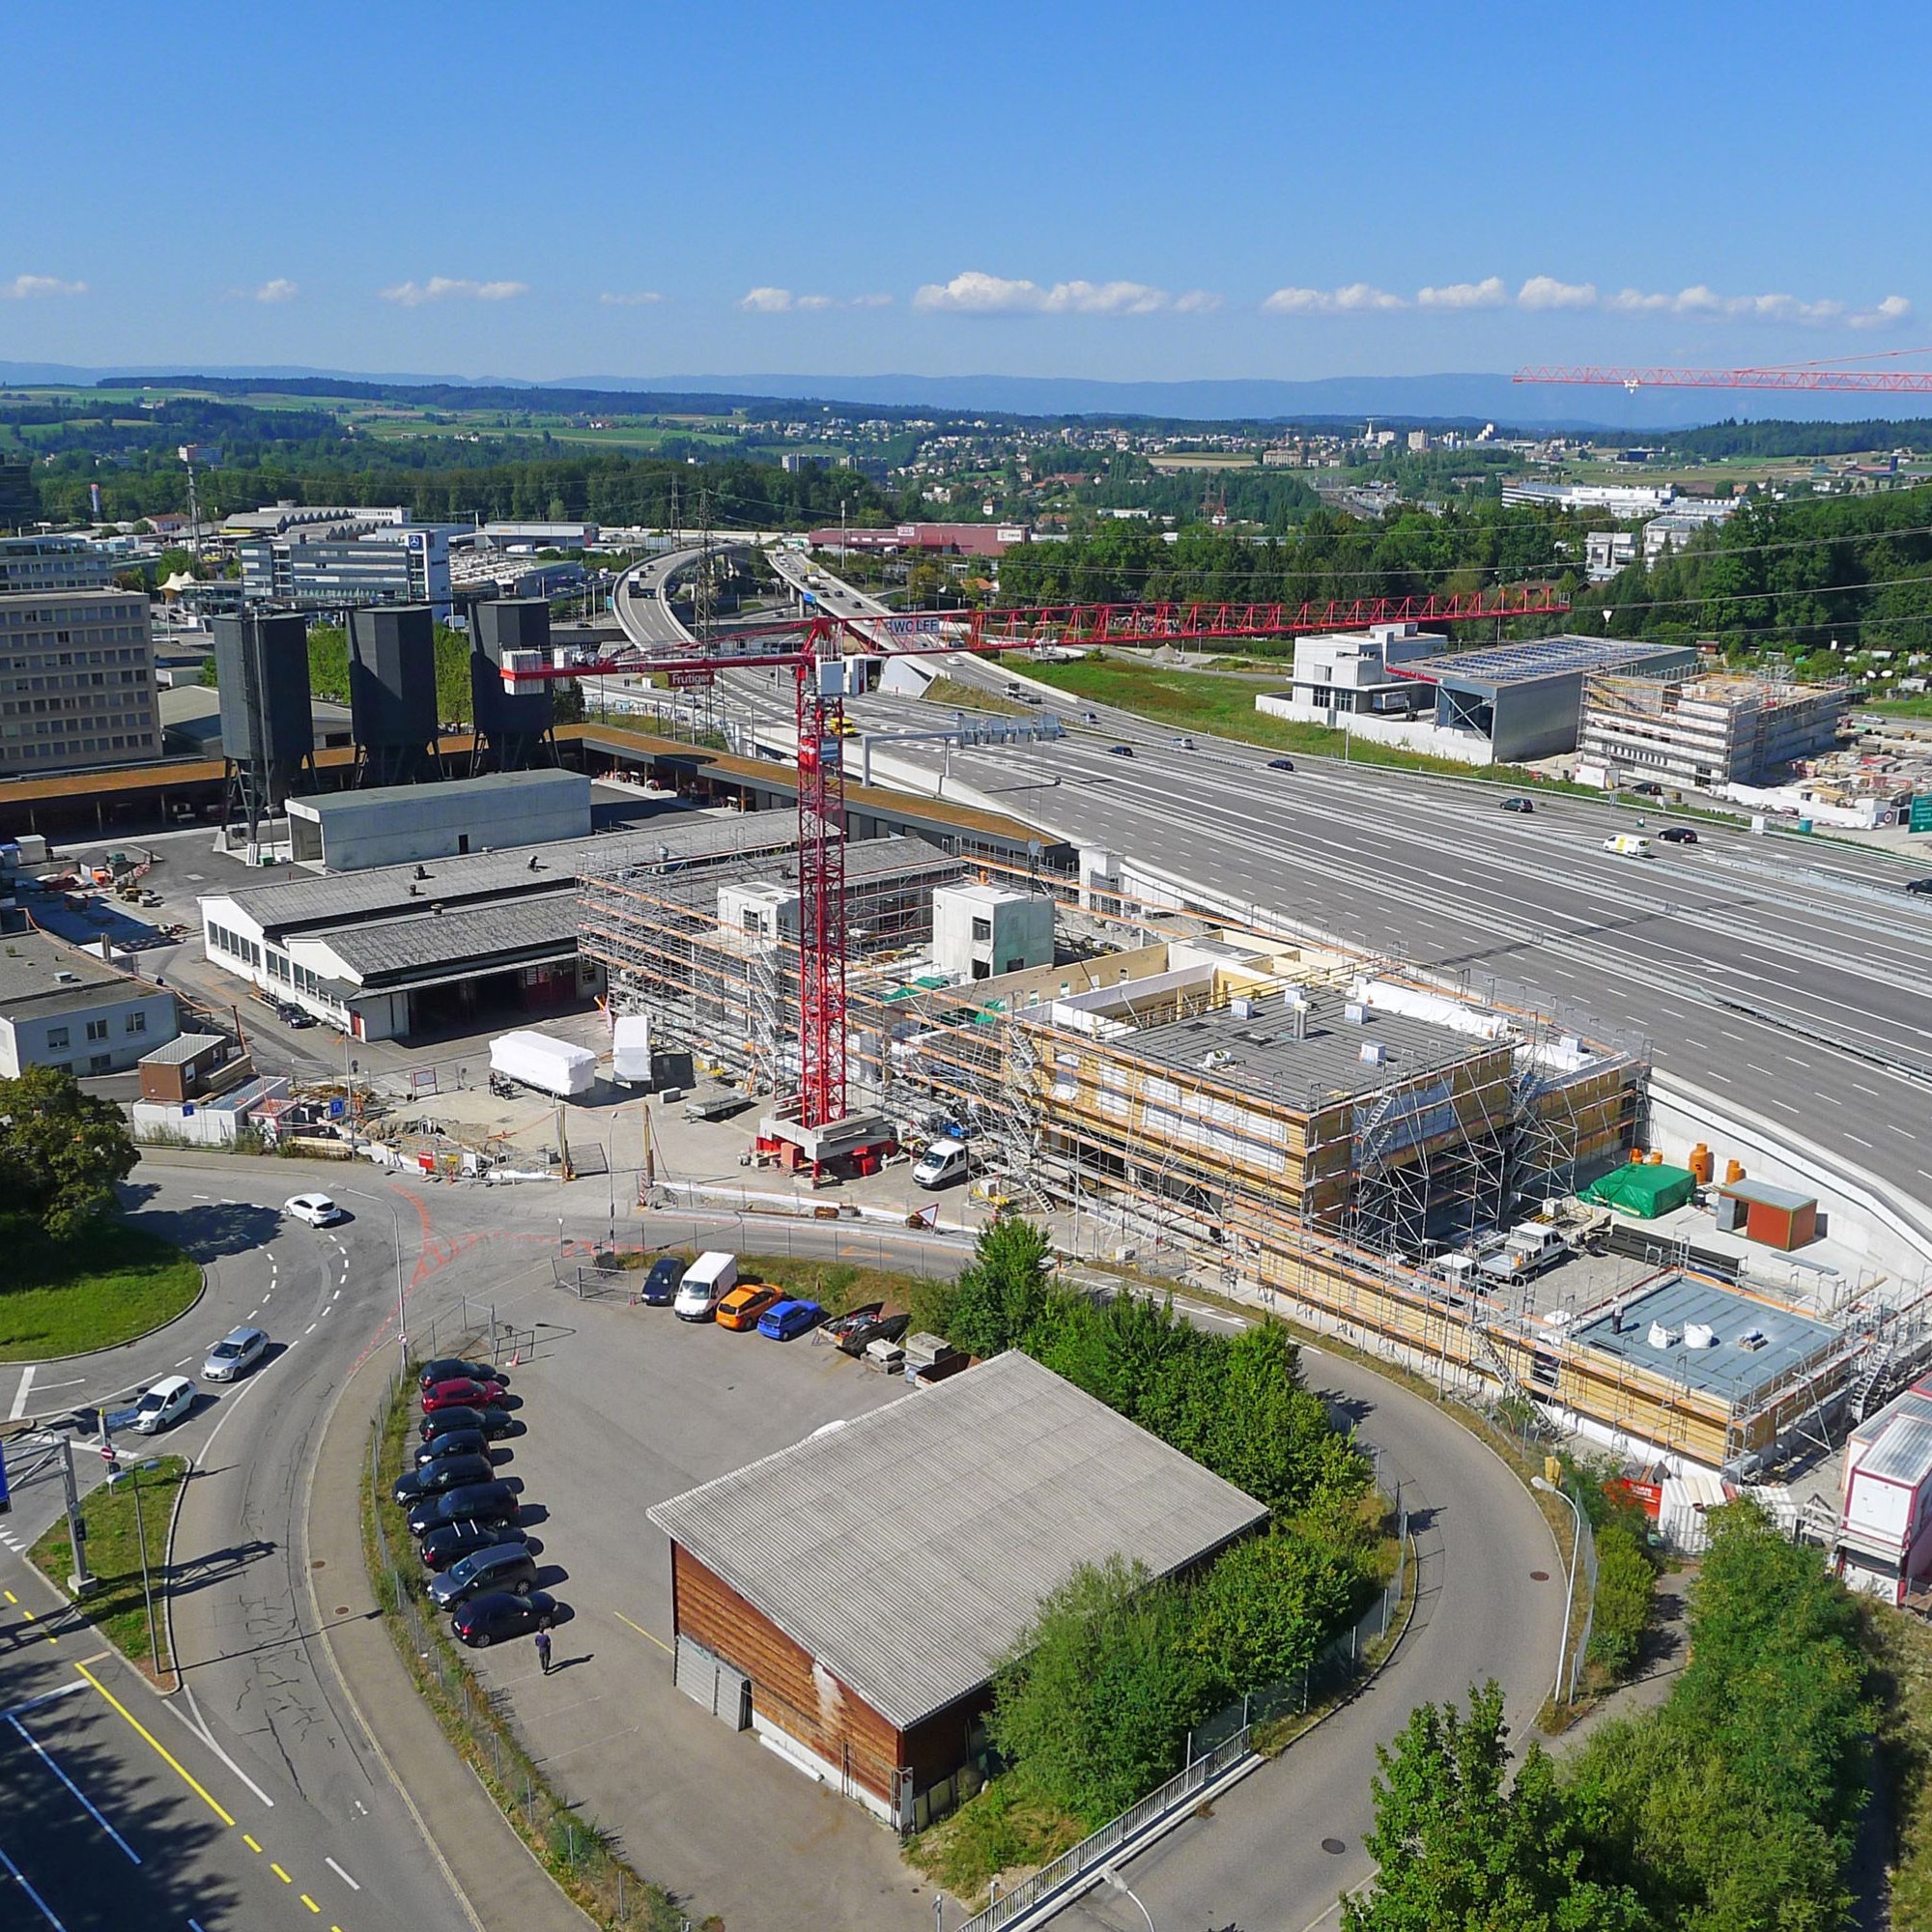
(631, 1049)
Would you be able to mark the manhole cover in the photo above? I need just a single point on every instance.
(1334, 1847)
(1539, 1576)
(342, 1610)
(319, 1563)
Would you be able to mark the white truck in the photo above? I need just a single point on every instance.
(1523, 1253)
(549, 1066)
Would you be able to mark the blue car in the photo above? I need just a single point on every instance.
(787, 1319)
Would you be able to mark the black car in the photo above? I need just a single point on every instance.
(451, 1442)
(454, 1540)
(498, 1615)
(1281, 765)
(1518, 804)
(1678, 834)
(485, 1502)
(1921, 885)
(447, 1368)
(1646, 788)
(660, 1286)
(489, 1422)
(446, 1472)
(1119, 751)
(503, 1566)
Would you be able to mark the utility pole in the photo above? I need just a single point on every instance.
(82, 1581)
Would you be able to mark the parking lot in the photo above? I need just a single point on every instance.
(626, 1405)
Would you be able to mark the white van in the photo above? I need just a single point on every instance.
(706, 1282)
(942, 1164)
(1629, 844)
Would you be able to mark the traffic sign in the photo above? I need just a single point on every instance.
(1921, 814)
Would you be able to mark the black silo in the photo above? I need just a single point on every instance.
(268, 734)
(392, 692)
(512, 732)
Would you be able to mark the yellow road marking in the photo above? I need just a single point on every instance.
(310, 1903)
(280, 1873)
(161, 1749)
(10, 1598)
(642, 1631)
(27, 1614)
(249, 1841)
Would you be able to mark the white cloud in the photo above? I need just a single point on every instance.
(643, 299)
(29, 288)
(1356, 298)
(1490, 293)
(782, 301)
(766, 302)
(446, 287)
(975, 293)
(870, 301)
(1546, 291)
(280, 290)
(1893, 309)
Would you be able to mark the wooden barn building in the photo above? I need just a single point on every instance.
(849, 1597)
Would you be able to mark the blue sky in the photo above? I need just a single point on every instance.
(1118, 191)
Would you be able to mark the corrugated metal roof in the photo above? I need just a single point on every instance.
(1903, 1454)
(908, 1550)
(388, 946)
(183, 1049)
(1914, 1402)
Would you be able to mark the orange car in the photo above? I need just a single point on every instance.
(742, 1307)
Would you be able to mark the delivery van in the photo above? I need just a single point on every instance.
(942, 1164)
(1629, 844)
(706, 1282)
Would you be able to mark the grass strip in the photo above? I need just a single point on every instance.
(93, 1292)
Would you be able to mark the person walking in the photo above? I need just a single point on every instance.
(542, 1650)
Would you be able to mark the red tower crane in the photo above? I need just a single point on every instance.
(824, 667)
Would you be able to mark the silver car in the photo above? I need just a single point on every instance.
(239, 1350)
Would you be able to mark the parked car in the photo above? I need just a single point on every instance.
(460, 1392)
(440, 1473)
(1281, 765)
(1646, 788)
(504, 1566)
(787, 1320)
(448, 1369)
(317, 1209)
(706, 1282)
(480, 1502)
(240, 1349)
(1678, 834)
(299, 1018)
(1518, 804)
(162, 1406)
(452, 1442)
(453, 1542)
(489, 1422)
(1920, 886)
(942, 1164)
(880, 1328)
(660, 1286)
(500, 1615)
(742, 1308)
(1119, 751)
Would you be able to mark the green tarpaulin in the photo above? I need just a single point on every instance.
(1642, 1190)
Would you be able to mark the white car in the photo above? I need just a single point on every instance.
(317, 1209)
(164, 1405)
(240, 1348)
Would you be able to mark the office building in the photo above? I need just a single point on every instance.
(64, 1009)
(76, 682)
(19, 501)
(52, 563)
(1353, 674)
(406, 563)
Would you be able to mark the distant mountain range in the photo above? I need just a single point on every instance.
(1413, 399)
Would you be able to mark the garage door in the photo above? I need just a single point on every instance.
(724, 1690)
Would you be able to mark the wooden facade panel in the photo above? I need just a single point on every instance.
(796, 1694)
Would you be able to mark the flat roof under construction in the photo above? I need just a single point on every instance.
(1754, 1343)
(1262, 1054)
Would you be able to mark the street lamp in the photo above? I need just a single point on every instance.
(1550, 1489)
(1110, 1877)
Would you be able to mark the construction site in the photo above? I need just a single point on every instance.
(1344, 1139)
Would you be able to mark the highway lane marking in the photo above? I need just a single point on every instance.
(21, 1878)
(10, 1598)
(1832, 1097)
(247, 1838)
(340, 1873)
(166, 1757)
(310, 1903)
(280, 1873)
(1859, 1138)
(642, 1631)
(310, 1329)
(39, 1750)
(20, 1408)
(1863, 1088)
(185, 1361)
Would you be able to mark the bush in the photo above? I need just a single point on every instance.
(1625, 1583)
(1268, 1605)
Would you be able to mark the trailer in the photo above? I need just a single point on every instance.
(551, 1066)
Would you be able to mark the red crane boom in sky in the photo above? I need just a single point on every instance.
(819, 654)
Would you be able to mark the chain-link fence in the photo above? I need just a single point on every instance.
(577, 1854)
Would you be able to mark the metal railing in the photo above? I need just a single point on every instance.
(1328, 1675)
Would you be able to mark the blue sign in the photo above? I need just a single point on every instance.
(335, 1110)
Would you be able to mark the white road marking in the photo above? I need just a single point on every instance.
(252, 1312)
(185, 1361)
(198, 1725)
(1859, 1138)
(47, 1698)
(310, 1329)
(340, 1873)
(79, 1795)
(20, 1408)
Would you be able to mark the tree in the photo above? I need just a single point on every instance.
(1003, 1292)
(61, 1151)
(1625, 1583)
(1462, 1847)
(1268, 1605)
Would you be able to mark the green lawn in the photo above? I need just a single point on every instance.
(68, 1298)
(1898, 707)
(1224, 707)
(117, 1608)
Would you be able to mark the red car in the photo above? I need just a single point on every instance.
(459, 1394)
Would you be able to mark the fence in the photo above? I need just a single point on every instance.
(1222, 1742)
(1586, 1585)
